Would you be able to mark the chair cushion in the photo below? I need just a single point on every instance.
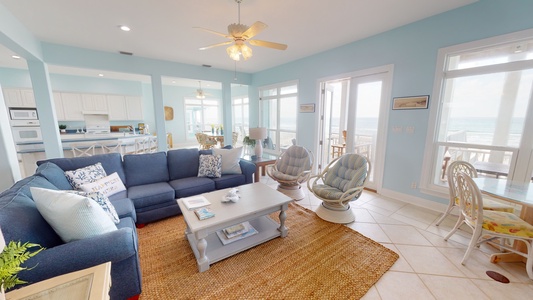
(150, 194)
(327, 192)
(294, 161)
(492, 205)
(348, 172)
(507, 223)
(282, 176)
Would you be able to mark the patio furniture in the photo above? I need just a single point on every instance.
(465, 167)
(341, 182)
(500, 228)
(291, 169)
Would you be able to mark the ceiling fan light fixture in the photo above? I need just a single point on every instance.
(239, 48)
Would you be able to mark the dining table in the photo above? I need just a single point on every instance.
(514, 192)
(219, 137)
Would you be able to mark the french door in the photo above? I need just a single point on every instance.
(353, 111)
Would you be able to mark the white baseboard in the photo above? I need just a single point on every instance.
(432, 205)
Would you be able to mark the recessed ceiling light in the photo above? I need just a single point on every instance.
(124, 28)
(101, 75)
(15, 56)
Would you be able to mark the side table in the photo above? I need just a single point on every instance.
(88, 284)
(261, 163)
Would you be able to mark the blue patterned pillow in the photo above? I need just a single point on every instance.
(103, 201)
(210, 166)
(85, 175)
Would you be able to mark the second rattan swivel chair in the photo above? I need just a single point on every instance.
(292, 168)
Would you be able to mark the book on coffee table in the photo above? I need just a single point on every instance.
(248, 231)
(195, 202)
(204, 213)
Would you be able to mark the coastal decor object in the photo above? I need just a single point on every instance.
(412, 102)
(169, 113)
(258, 134)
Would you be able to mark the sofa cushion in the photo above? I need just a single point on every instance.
(21, 221)
(210, 166)
(103, 201)
(191, 186)
(183, 163)
(124, 208)
(227, 181)
(85, 175)
(112, 162)
(73, 217)
(108, 185)
(230, 160)
(54, 174)
(146, 168)
(150, 194)
(23, 186)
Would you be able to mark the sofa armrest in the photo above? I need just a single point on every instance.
(78, 255)
(248, 169)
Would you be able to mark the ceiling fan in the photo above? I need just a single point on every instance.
(239, 34)
(199, 92)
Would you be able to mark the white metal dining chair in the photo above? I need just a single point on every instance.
(488, 225)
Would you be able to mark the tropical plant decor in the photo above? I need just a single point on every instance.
(11, 259)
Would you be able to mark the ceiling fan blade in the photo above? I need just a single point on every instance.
(255, 29)
(215, 32)
(216, 45)
(268, 44)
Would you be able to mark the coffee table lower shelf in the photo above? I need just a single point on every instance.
(215, 251)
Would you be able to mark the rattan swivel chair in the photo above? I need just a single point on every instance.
(341, 182)
(291, 169)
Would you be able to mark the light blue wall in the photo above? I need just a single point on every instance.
(412, 50)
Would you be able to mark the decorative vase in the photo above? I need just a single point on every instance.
(212, 130)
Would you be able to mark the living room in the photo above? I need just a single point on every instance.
(412, 49)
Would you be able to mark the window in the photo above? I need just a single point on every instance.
(201, 115)
(278, 109)
(485, 94)
(241, 120)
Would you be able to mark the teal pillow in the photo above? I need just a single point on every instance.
(73, 217)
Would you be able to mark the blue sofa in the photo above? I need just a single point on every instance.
(153, 182)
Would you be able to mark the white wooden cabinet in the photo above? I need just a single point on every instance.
(58, 102)
(19, 97)
(116, 105)
(72, 106)
(94, 102)
(134, 107)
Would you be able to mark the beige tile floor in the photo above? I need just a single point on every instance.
(429, 267)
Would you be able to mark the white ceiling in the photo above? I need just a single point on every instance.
(163, 29)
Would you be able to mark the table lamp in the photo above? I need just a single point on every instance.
(258, 134)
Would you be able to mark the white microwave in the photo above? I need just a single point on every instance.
(27, 134)
(23, 114)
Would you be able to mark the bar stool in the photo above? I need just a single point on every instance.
(83, 149)
(112, 147)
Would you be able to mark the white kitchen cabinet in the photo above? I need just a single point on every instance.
(19, 97)
(116, 105)
(60, 111)
(134, 107)
(72, 106)
(94, 103)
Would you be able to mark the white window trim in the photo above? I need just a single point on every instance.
(426, 183)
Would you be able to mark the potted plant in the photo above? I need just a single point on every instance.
(11, 259)
(62, 128)
(250, 144)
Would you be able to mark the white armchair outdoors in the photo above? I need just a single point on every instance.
(292, 168)
(341, 182)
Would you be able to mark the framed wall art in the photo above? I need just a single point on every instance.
(307, 108)
(412, 102)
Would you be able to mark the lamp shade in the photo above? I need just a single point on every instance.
(258, 133)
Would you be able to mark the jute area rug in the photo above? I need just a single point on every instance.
(317, 260)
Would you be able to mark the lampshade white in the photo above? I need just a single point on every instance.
(258, 134)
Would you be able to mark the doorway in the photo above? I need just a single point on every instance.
(353, 114)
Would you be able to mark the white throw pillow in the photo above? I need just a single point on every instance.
(85, 175)
(73, 217)
(108, 185)
(210, 166)
(103, 201)
(230, 160)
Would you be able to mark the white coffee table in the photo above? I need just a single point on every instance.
(256, 202)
